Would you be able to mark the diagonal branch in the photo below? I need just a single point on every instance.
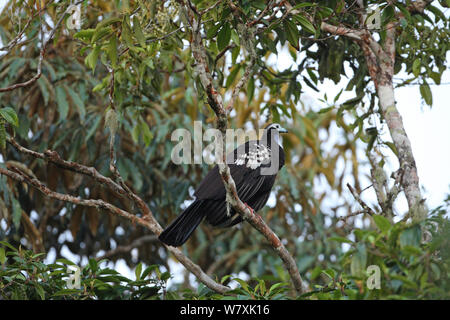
(216, 103)
(148, 221)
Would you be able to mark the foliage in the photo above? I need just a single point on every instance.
(409, 270)
(23, 276)
(140, 50)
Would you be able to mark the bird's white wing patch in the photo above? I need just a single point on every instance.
(241, 159)
(257, 154)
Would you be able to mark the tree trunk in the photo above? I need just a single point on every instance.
(410, 180)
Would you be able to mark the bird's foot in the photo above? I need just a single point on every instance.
(250, 208)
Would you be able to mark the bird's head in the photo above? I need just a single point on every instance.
(275, 126)
(272, 131)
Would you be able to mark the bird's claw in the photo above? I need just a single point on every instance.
(250, 208)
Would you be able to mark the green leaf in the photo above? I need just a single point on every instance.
(126, 32)
(291, 33)
(411, 237)
(6, 244)
(138, 271)
(224, 36)
(340, 239)
(416, 67)
(61, 100)
(2, 255)
(382, 223)
(100, 33)
(92, 57)
(40, 291)
(232, 75)
(78, 102)
(65, 261)
(436, 76)
(147, 135)
(2, 134)
(108, 21)
(111, 51)
(43, 87)
(224, 278)
(250, 89)
(387, 14)
(138, 31)
(211, 32)
(243, 284)
(303, 5)
(359, 260)
(85, 35)
(325, 110)
(10, 115)
(135, 133)
(17, 213)
(304, 22)
(425, 91)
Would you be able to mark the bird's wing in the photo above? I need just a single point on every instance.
(246, 176)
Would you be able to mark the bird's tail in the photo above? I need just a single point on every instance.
(182, 227)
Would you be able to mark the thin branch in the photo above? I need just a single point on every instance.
(355, 195)
(261, 15)
(127, 248)
(204, 11)
(222, 53)
(353, 214)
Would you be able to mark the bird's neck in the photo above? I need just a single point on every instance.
(272, 138)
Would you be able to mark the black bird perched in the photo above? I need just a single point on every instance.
(253, 166)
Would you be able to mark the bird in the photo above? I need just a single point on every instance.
(253, 165)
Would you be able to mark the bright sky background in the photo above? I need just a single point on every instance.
(428, 129)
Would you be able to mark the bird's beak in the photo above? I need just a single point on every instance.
(282, 130)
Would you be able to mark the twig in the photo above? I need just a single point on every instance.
(222, 53)
(353, 214)
(204, 11)
(127, 248)
(360, 201)
(261, 15)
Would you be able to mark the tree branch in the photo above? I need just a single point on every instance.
(127, 248)
(148, 221)
(216, 103)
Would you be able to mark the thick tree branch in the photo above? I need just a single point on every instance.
(341, 31)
